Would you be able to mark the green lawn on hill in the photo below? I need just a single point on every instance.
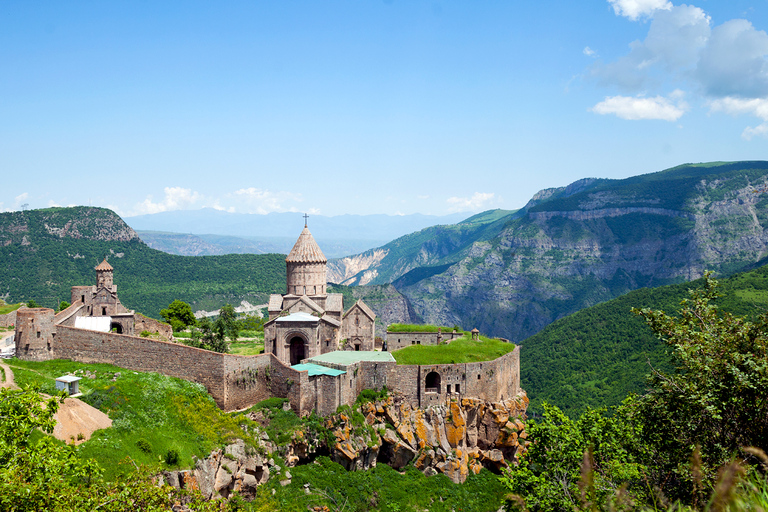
(460, 350)
(152, 414)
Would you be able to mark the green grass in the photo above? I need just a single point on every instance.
(380, 488)
(461, 350)
(247, 347)
(419, 328)
(166, 412)
(7, 308)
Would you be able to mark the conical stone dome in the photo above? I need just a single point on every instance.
(306, 250)
(306, 267)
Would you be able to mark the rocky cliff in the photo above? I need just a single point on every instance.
(576, 246)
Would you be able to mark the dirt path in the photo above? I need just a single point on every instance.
(8, 382)
(76, 421)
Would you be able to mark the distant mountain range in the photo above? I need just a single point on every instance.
(209, 232)
(512, 273)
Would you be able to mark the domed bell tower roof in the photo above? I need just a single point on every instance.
(306, 250)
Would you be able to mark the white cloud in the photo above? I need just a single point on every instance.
(176, 198)
(257, 200)
(634, 9)
(589, 52)
(757, 107)
(478, 201)
(638, 107)
(671, 49)
(735, 61)
(760, 130)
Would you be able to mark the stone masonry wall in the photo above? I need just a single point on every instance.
(398, 340)
(9, 319)
(144, 323)
(488, 380)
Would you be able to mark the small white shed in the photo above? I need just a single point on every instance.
(69, 383)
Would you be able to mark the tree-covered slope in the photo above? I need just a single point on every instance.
(46, 252)
(598, 355)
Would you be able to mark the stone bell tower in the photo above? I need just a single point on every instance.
(306, 266)
(104, 275)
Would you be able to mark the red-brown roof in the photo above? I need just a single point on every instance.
(104, 265)
(306, 250)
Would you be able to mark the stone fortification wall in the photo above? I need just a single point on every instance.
(398, 340)
(425, 385)
(9, 319)
(144, 323)
(141, 354)
(67, 316)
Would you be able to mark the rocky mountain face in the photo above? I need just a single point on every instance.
(576, 246)
(79, 223)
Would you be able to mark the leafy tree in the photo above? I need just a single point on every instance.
(179, 314)
(574, 463)
(252, 323)
(63, 305)
(32, 304)
(714, 403)
(46, 475)
(209, 335)
(35, 475)
(228, 319)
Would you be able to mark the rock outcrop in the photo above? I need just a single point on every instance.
(237, 467)
(453, 439)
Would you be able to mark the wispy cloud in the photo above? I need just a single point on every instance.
(478, 201)
(259, 200)
(634, 9)
(636, 108)
(175, 198)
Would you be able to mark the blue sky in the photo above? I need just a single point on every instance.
(361, 107)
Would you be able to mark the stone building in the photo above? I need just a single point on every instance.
(101, 301)
(307, 321)
(357, 327)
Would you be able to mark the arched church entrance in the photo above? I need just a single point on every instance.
(298, 351)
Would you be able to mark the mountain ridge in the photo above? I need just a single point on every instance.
(575, 246)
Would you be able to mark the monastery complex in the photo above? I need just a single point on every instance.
(316, 354)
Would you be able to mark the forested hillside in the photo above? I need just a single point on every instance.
(596, 356)
(46, 252)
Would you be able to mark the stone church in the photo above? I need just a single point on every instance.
(307, 321)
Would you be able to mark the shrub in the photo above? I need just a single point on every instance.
(172, 457)
(144, 446)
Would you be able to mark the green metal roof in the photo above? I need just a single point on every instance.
(316, 369)
(347, 357)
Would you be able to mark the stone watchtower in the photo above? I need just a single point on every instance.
(35, 330)
(306, 267)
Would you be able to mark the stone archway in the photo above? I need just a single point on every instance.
(298, 350)
(116, 327)
(432, 383)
